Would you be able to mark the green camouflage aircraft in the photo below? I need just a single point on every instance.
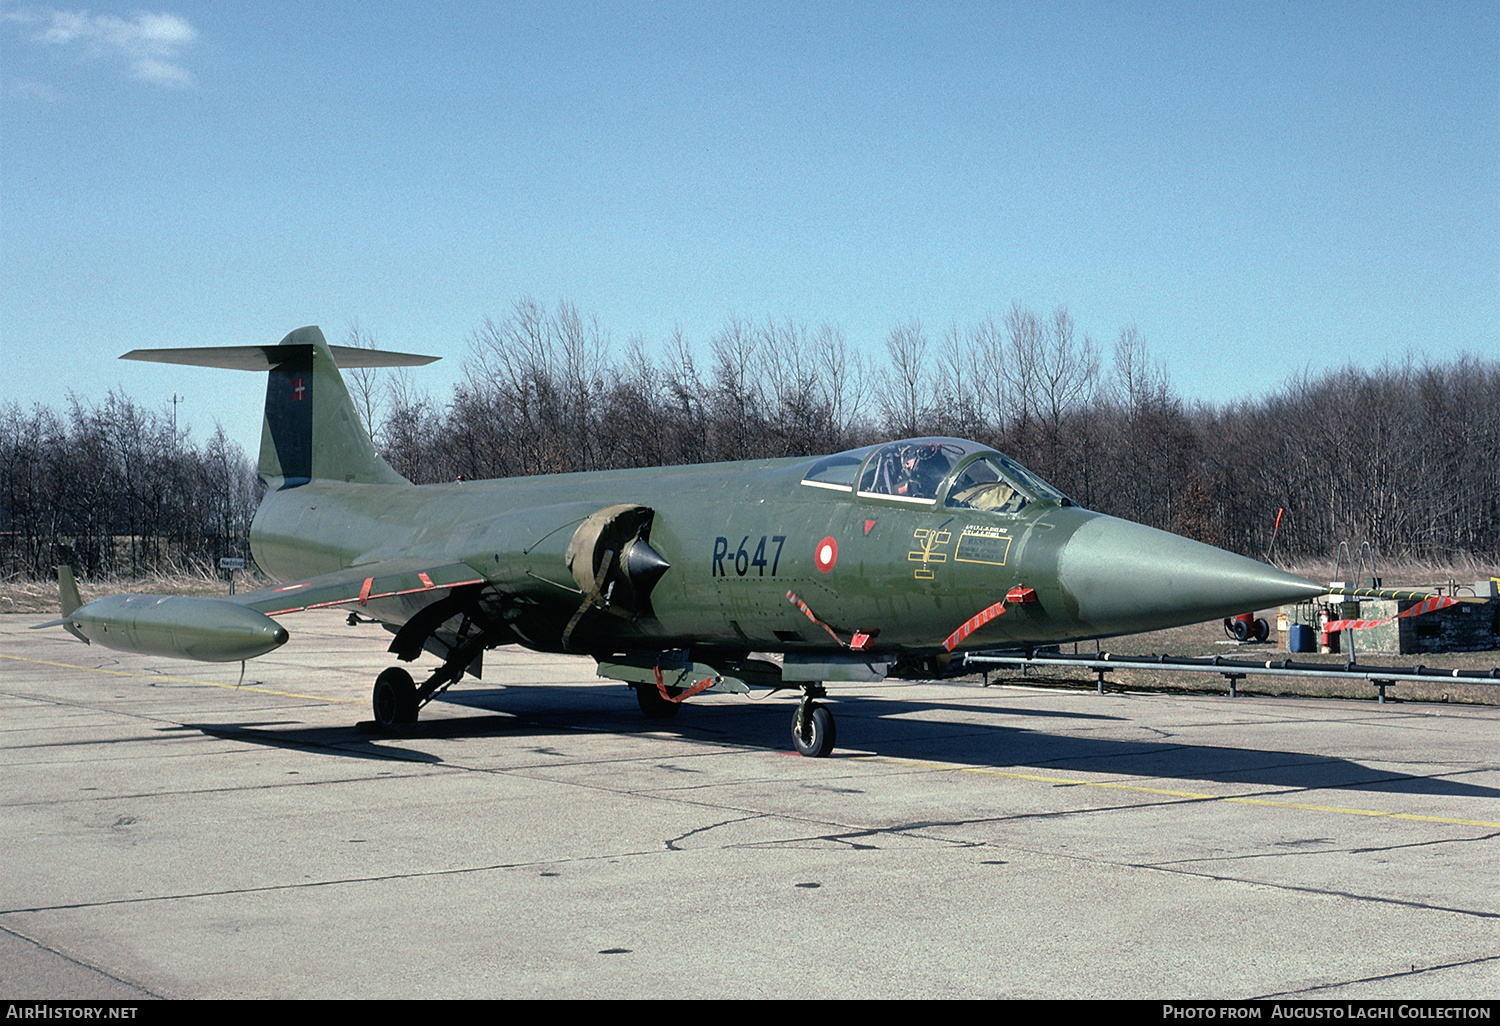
(889, 560)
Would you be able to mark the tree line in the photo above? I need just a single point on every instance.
(114, 489)
(1405, 457)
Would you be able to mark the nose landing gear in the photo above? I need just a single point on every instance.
(813, 730)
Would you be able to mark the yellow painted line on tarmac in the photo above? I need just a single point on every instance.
(1194, 795)
(180, 680)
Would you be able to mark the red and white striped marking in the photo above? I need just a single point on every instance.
(973, 624)
(1427, 605)
(698, 688)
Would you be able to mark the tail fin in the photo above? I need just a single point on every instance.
(67, 592)
(67, 589)
(311, 429)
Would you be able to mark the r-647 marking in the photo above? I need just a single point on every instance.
(742, 559)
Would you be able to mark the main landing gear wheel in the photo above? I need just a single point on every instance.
(653, 705)
(394, 699)
(813, 732)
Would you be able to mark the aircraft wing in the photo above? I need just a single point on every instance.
(358, 584)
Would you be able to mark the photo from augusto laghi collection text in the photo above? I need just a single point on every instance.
(1479, 1010)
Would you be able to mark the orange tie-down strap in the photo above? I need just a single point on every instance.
(861, 641)
(697, 689)
(1427, 605)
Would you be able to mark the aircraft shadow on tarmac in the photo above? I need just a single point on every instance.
(882, 725)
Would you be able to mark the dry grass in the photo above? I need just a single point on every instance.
(1461, 569)
(18, 595)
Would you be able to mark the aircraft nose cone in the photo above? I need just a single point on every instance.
(1124, 578)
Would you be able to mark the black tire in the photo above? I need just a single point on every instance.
(1262, 630)
(813, 731)
(1228, 627)
(394, 699)
(653, 705)
(1242, 630)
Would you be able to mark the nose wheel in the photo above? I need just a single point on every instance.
(813, 731)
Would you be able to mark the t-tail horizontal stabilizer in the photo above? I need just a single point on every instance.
(311, 429)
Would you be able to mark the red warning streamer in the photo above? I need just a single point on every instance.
(1427, 605)
(973, 624)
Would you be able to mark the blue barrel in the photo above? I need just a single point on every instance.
(1299, 638)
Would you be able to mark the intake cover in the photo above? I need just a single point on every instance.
(635, 566)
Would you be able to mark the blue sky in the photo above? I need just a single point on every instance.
(1261, 188)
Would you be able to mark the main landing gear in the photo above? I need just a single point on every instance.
(653, 705)
(397, 698)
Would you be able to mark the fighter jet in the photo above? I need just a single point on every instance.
(891, 560)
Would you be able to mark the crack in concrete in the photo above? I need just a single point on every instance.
(673, 843)
(1330, 849)
(78, 962)
(312, 884)
(1323, 891)
(1403, 975)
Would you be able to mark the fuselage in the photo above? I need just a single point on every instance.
(741, 536)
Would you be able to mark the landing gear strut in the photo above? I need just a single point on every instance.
(397, 697)
(813, 731)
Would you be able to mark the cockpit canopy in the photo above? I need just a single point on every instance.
(924, 471)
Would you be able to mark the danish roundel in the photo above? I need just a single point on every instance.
(826, 554)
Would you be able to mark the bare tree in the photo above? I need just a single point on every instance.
(1068, 371)
(907, 397)
(735, 390)
(1027, 339)
(798, 413)
(959, 410)
(1137, 380)
(363, 382)
(408, 435)
(991, 381)
(843, 375)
